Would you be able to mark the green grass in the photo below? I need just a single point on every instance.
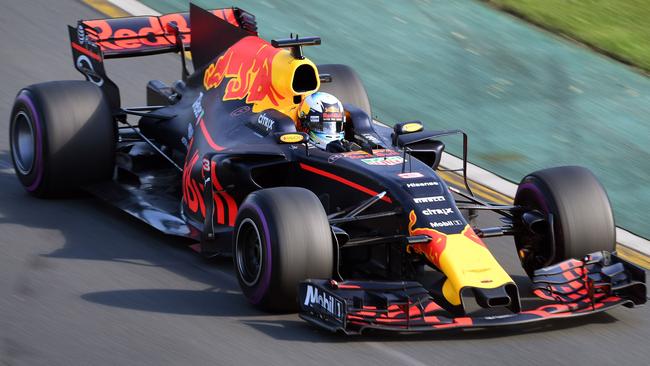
(620, 28)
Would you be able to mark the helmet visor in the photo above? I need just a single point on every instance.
(327, 123)
(332, 127)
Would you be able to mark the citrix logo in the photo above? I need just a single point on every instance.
(437, 211)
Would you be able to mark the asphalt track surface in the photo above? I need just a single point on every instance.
(83, 284)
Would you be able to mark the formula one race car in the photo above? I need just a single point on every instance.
(368, 237)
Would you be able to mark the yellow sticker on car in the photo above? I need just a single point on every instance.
(411, 127)
(292, 138)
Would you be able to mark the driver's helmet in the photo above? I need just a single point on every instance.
(323, 118)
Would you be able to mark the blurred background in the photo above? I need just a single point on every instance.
(529, 99)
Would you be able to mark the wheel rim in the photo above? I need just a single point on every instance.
(23, 143)
(248, 252)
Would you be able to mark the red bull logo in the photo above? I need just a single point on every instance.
(192, 194)
(471, 235)
(249, 66)
(434, 248)
(431, 250)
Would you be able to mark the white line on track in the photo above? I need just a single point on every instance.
(134, 7)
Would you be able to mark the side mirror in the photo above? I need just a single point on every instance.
(403, 128)
(408, 127)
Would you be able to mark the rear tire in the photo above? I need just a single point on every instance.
(346, 86)
(62, 137)
(583, 222)
(282, 236)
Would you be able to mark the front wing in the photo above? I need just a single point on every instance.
(599, 282)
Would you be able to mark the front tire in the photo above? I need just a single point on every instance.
(62, 137)
(583, 221)
(282, 236)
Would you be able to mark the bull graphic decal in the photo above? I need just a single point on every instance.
(249, 65)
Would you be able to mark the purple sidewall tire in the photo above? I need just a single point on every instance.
(33, 179)
(265, 279)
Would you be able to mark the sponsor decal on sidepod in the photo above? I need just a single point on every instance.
(265, 122)
(197, 107)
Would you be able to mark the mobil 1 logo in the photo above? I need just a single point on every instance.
(442, 217)
(322, 301)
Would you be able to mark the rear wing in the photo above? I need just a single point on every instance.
(92, 41)
(149, 35)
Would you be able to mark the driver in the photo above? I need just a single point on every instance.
(322, 116)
